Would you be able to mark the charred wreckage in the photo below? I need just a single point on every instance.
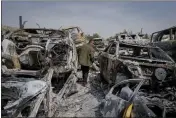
(38, 71)
(142, 77)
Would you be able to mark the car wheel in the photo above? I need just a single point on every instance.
(120, 77)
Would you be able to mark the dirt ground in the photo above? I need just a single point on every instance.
(84, 103)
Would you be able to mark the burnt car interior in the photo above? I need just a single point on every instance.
(136, 51)
(133, 51)
(60, 53)
(26, 37)
(142, 52)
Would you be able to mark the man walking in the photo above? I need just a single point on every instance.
(85, 57)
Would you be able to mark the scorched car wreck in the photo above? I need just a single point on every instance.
(35, 47)
(129, 59)
(166, 40)
(23, 96)
(35, 52)
(133, 98)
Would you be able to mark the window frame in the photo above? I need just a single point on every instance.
(115, 48)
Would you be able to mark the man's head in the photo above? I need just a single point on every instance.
(91, 41)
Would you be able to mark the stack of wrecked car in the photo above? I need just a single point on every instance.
(35, 52)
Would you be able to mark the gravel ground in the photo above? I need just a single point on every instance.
(84, 103)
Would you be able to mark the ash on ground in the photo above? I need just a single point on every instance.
(86, 102)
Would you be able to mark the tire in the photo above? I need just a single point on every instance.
(120, 77)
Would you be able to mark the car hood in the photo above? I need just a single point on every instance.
(26, 88)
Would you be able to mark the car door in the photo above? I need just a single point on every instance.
(113, 105)
(166, 40)
(112, 58)
(103, 60)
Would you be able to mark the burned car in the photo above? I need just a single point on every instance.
(23, 96)
(132, 98)
(129, 59)
(34, 52)
(166, 40)
(33, 48)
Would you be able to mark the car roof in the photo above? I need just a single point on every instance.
(138, 43)
(167, 31)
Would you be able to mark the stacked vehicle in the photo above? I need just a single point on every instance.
(33, 53)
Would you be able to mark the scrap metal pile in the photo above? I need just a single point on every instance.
(38, 70)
